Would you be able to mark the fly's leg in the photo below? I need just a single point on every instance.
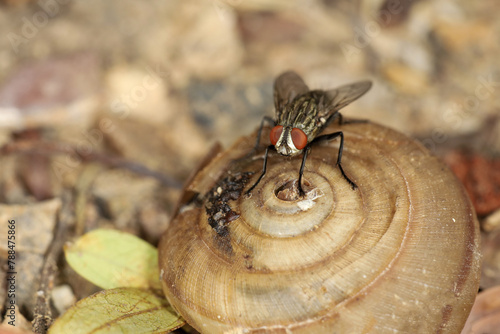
(264, 166)
(259, 133)
(301, 172)
(264, 119)
(332, 136)
(342, 121)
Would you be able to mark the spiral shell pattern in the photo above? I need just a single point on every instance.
(398, 254)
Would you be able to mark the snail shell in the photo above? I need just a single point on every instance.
(398, 254)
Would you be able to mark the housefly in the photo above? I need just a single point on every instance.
(301, 116)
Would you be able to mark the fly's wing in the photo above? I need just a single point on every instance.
(287, 87)
(338, 98)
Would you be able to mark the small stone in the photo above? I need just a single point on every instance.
(492, 222)
(63, 298)
(408, 80)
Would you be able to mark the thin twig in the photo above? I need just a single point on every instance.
(43, 314)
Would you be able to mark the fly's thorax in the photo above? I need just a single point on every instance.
(303, 112)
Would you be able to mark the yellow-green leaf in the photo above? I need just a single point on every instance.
(122, 310)
(112, 259)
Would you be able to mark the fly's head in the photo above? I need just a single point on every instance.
(287, 140)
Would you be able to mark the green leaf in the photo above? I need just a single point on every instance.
(122, 310)
(112, 259)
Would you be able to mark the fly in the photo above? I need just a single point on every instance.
(301, 116)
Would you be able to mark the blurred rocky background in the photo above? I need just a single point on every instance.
(106, 107)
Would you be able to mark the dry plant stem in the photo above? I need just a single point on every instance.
(51, 148)
(43, 314)
(398, 254)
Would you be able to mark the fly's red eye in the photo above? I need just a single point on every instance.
(276, 134)
(299, 138)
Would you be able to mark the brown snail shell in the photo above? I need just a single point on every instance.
(398, 254)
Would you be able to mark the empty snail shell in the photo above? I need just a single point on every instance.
(398, 254)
